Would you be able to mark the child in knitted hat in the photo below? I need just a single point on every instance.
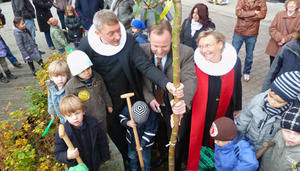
(232, 150)
(57, 35)
(260, 119)
(88, 86)
(138, 27)
(285, 155)
(146, 124)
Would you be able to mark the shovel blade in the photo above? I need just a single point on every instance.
(79, 167)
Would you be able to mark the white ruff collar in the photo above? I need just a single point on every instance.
(227, 62)
(105, 49)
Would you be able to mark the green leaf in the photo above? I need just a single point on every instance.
(157, 17)
(21, 156)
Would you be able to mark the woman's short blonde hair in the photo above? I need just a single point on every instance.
(70, 104)
(58, 67)
(217, 35)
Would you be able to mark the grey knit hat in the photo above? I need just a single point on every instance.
(291, 119)
(287, 85)
(140, 112)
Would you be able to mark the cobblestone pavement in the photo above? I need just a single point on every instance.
(222, 16)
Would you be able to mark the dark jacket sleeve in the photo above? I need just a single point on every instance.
(78, 7)
(60, 151)
(238, 94)
(124, 117)
(273, 72)
(103, 144)
(146, 67)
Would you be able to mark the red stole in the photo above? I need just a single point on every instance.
(199, 112)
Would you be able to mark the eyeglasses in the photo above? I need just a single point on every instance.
(206, 46)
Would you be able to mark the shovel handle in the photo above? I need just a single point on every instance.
(135, 132)
(64, 136)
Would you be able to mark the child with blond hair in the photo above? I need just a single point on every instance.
(85, 133)
(59, 74)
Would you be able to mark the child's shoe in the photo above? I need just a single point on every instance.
(3, 79)
(10, 75)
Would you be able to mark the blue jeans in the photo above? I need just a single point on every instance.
(134, 160)
(61, 16)
(31, 26)
(9, 55)
(48, 39)
(237, 42)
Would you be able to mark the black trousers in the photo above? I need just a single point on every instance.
(117, 134)
(164, 134)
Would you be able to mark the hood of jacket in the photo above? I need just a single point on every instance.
(294, 46)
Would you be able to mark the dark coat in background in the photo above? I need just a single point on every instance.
(86, 10)
(287, 59)
(43, 13)
(185, 34)
(23, 8)
(73, 25)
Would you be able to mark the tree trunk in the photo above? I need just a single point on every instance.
(176, 77)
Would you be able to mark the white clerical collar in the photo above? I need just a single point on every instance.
(105, 49)
(227, 62)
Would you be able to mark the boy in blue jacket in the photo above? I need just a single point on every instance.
(146, 124)
(232, 151)
(85, 133)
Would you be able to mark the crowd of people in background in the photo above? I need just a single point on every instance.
(116, 53)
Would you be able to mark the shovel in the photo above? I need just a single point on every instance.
(62, 134)
(135, 132)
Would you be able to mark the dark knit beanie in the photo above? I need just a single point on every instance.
(223, 129)
(291, 119)
(287, 85)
